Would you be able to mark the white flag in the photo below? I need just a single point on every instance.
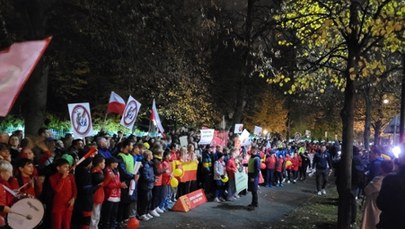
(130, 113)
(80, 119)
(155, 117)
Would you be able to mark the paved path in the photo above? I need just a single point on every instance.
(273, 204)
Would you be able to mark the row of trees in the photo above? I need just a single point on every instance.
(354, 46)
(192, 56)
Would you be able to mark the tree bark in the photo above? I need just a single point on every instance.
(402, 114)
(35, 92)
(241, 92)
(378, 123)
(35, 106)
(347, 115)
(377, 132)
(367, 122)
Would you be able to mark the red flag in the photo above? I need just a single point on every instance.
(16, 65)
(116, 104)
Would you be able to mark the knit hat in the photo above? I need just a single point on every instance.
(146, 145)
(68, 158)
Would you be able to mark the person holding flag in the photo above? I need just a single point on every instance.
(155, 118)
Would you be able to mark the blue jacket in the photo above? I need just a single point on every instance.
(374, 168)
(104, 152)
(147, 176)
(322, 161)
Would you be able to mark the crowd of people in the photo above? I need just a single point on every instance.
(131, 176)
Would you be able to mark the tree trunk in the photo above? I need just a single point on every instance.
(367, 122)
(378, 123)
(377, 132)
(35, 92)
(402, 114)
(347, 115)
(288, 125)
(241, 92)
(35, 106)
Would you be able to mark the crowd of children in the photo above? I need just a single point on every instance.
(130, 176)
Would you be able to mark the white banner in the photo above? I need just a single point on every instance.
(206, 136)
(241, 181)
(130, 113)
(80, 119)
(238, 128)
(258, 131)
(244, 138)
(183, 141)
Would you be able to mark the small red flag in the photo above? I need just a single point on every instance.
(116, 104)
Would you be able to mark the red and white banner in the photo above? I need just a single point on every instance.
(116, 104)
(80, 119)
(16, 65)
(130, 113)
(155, 117)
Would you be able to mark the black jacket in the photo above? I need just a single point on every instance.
(391, 201)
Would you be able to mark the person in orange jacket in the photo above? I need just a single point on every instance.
(288, 167)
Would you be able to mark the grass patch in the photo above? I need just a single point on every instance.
(317, 212)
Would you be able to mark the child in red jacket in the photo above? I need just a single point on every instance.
(270, 166)
(64, 187)
(280, 163)
(112, 193)
(166, 176)
(295, 166)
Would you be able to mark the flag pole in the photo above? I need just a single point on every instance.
(105, 120)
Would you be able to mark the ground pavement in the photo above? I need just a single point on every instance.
(274, 203)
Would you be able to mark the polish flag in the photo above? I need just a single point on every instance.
(16, 65)
(155, 118)
(116, 104)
